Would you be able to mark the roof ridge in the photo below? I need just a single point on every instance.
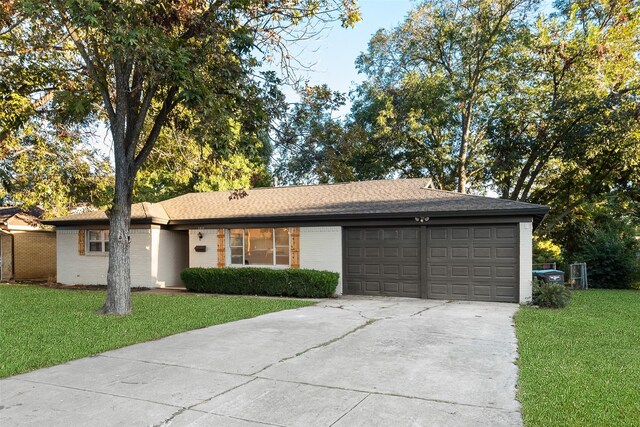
(328, 184)
(480, 196)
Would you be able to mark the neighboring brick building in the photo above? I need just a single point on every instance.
(27, 250)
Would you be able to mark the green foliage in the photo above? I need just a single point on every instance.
(609, 248)
(552, 295)
(146, 66)
(43, 327)
(546, 251)
(53, 170)
(261, 281)
(580, 366)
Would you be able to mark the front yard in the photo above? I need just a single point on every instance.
(580, 366)
(42, 327)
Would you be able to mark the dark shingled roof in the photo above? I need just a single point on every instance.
(382, 199)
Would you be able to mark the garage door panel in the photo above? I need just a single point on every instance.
(483, 267)
(460, 291)
(481, 272)
(458, 252)
(372, 269)
(438, 252)
(481, 252)
(480, 233)
(480, 290)
(460, 234)
(459, 271)
(391, 252)
(410, 234)
(372, 286)
(437, 270)
(506, 253)
(410, 271)
(391, 265)
(505, 233)
(506, 272)
(438, 234)
(354, 269)
(354, 252)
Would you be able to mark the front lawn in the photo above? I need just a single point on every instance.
(42, 327)
(580, 366)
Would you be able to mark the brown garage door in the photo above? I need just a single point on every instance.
(478, 263)
(382, 261)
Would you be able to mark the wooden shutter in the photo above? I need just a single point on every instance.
(295, 247)
(222, 255)
(81, 245)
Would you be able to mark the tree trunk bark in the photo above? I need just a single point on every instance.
(119, 275)
(464, 146)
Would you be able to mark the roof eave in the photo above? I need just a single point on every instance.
(103, 221)
(536, 213)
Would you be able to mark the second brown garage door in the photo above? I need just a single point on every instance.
(382, 261)
(478, 263)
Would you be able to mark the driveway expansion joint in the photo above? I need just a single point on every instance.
(191, 407)
(351, 409)
(321, 345)
(381, 393)
(104, 393)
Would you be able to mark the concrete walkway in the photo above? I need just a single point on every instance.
(344, 362)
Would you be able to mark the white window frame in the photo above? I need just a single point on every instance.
(104, 238)
(273, 236)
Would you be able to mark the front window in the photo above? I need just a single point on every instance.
(259, 246)
(98, 241)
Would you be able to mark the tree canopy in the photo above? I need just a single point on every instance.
(139, 65)
(493, 96)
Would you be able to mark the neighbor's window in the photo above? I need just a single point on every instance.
(259, 246)
(98, 241)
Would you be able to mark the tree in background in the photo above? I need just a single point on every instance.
(146, 59)
(608, 246)
(484, 95)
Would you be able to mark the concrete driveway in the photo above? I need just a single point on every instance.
(344, 362)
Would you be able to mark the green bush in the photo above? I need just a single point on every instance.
(261, 281)
(611, 258)
(550, 295)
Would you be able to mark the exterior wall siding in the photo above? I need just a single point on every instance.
(171, 256)
(34, 255)
(209, 258)
(526, 256)
(92, 269)
(321, 249)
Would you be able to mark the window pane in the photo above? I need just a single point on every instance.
(95, 246)
(235, 237)
(282, 255)
(236, 259)
(282, 237)
(106, 246)
(94, 235)
(105, 233)
(258, 246)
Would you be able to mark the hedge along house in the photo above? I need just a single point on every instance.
(390, 237)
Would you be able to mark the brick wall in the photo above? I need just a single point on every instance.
(34, 255)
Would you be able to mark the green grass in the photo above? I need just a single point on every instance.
(42, 327)
(580, 366)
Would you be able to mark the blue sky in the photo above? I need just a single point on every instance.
(330, 57)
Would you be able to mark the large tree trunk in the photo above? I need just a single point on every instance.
(119, 275)
(464, 147)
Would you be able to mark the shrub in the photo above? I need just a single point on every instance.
(550, 295)
(611, 258)
(261, 281)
